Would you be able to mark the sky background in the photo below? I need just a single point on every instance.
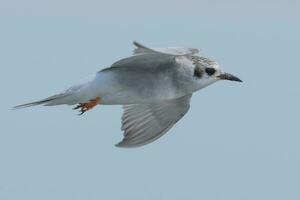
(238, 141)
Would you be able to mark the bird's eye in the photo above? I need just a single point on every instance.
(210, 71)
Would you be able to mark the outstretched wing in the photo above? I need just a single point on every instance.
(175, 51)
(144, 61)
(145, 58)
(144, 123)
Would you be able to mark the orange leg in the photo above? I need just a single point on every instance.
(87, 106)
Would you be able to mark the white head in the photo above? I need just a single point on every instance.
(207, 71)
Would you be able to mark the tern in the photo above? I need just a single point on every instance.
(154, 86)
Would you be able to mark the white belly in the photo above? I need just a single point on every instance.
(132, 88)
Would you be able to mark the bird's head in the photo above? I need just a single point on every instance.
(207, 72)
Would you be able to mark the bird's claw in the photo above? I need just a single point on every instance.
(87, 106)
(82, 108)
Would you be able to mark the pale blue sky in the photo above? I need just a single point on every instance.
(238, 141)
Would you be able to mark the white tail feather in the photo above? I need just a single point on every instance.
(50, 101)
(79, 93)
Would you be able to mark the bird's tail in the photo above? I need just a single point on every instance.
(76, 94)
(57, 99)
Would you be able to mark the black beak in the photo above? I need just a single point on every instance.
(226, 76)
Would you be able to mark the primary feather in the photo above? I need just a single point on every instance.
(144, 123)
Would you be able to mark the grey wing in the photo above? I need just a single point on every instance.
(151, 58)
(144, 61)
(144, 123)
(175, 51)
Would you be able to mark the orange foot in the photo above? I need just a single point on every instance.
(87, 106)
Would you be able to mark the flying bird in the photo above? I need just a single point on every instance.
(154, 86)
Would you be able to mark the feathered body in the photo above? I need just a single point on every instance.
(154, 84)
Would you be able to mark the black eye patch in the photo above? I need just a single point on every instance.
(198, 72)
(210, 71)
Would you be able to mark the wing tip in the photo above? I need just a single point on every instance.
(123, 144)
(126, 144)
(120, 145)
(137, 44)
